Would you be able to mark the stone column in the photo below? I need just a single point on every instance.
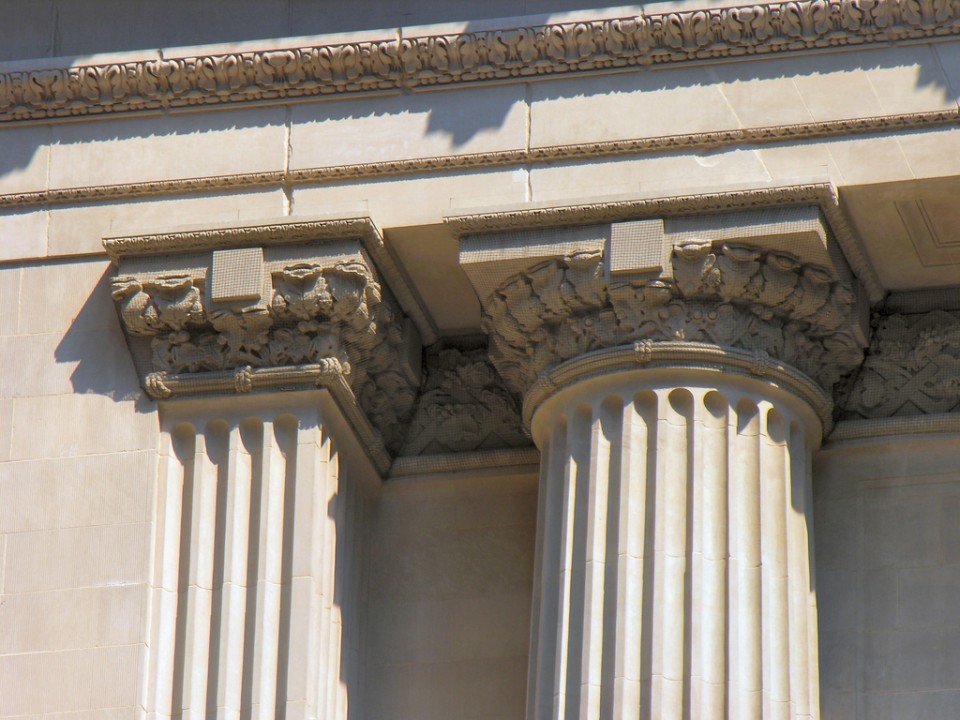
(255, 591)
(676, 386)
(286, 374)
(673, 573)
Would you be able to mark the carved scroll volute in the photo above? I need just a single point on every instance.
(137, 312)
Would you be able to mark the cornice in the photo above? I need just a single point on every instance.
(824, 195)
(287, 232)
(451, 59)
(677, 355)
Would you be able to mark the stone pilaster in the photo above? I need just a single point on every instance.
(676, 375)
(286, 371)
(279, 307)
(255, 580)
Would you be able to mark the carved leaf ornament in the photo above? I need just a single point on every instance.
(912, 367)
(314, 314)
(735, 296)
(407, 63)
(464, 406)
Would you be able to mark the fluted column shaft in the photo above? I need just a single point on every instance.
(255, 580)
(673, 572)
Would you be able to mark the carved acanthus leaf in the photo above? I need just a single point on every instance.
(912, 367)
(315, 313)
(735, 296)
(464, 406)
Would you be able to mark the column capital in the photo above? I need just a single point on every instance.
(289, 305)
(765, 291)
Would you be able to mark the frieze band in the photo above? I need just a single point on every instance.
(404, 64)
(496, 158)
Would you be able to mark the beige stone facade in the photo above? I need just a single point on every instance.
(495, 361)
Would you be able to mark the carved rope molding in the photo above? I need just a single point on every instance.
(401, 64)
(499, 158)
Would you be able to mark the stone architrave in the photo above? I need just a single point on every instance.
(676, 407)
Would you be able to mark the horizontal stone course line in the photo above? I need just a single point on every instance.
(445, 60)
(852, 430)
(822, 194)
(517, 460)
(451, 163)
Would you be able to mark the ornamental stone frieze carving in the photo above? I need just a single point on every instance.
(464, 406)
(221, 316)
(911, 368)
(443, 60)
(772, 286)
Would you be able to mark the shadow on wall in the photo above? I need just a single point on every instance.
(95, 342)
(58, 28)
(456, 123)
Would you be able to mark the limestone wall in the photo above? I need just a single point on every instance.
(449, 572)
(449, 592)
(888, 569)
(78, 446)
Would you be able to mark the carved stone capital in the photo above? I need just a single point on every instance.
(912, 367)
(765, 282)
(232, 317)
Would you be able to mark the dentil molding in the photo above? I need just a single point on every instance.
(401, 64)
